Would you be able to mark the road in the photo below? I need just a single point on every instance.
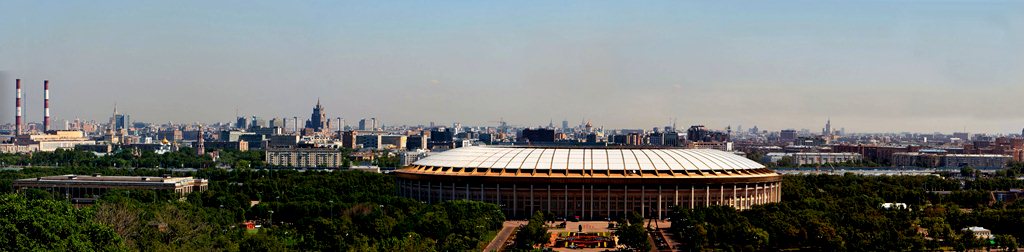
(506, 231)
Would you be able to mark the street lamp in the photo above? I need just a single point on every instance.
(271, 217)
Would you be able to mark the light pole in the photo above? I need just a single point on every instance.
(271, 217)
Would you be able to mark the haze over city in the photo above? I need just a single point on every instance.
(879, 66)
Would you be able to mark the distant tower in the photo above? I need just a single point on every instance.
(373, 123)
(828, 127)
(46, 105)
(341, 126)
(318, 121)
(17, 107)
(362, 124)
(200, 149)
(112, 127)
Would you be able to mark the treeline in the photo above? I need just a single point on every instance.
(302, 211)
(845, 213)
(184, 157)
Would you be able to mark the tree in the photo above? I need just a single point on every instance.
(632, 233)
(967, 171)
(786, 161)
(242, 164)
(533, 233)
(1007, 242)
(261, 242)
(966, 241)
(52, 225)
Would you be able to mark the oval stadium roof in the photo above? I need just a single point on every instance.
(596, 160)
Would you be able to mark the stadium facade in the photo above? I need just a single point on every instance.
(590, 183)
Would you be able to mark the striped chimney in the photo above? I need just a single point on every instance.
(17, 107)
(46, 105)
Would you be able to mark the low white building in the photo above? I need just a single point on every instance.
(813, 158)
(980, 233)
(898, 206)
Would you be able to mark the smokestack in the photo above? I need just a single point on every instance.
(46, 105)
(17, 107)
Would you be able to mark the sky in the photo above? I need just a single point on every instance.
(870, 66)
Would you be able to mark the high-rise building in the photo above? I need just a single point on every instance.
(415, 142)
(656, 139)
(257, 122)
(122, 121)
(373, 123)
(787, 135)
(348, 139)
(698, 133)
(318, 120)
(827, 131)
(672, 138)
(362, 124)
(538, 135)
(441, 138)
(241, 123)
(279, 123)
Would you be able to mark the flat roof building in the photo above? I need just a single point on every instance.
(92, 186)
(305, 157)
(61, 139)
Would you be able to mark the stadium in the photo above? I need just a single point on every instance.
(590, 183)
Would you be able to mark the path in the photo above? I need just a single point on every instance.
(502, 236)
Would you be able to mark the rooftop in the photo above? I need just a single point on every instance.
(591, 159)
(72, 178)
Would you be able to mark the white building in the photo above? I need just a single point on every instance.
(813, 158)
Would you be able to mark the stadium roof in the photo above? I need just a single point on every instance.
(592, 160)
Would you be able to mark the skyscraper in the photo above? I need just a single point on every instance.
(122, 121)
(362, 124)
(828, 128)
(318, 120)
(787, 135)
(241, 123)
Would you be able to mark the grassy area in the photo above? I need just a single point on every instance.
(486, 239)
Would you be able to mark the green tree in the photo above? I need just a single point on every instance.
(33, 225)
(1007, 242)
(261, 242)
(632, 233)
(533, 233)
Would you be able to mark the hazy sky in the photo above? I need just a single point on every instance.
(873, 66)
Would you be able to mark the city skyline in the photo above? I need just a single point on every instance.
(883, 66)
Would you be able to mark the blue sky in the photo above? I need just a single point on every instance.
(873, 66)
